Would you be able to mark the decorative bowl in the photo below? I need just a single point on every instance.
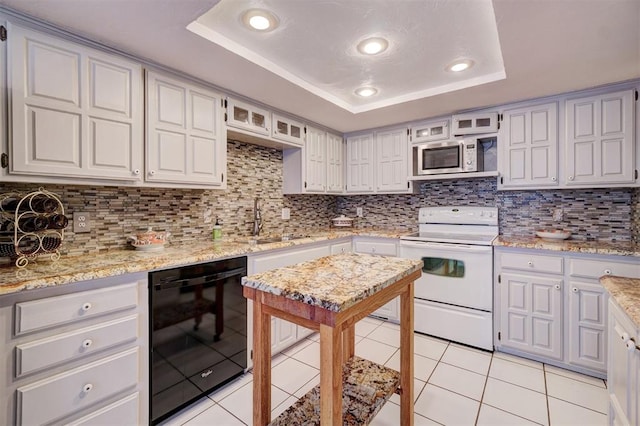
(553, 234)
(149, 240)
(342, 221)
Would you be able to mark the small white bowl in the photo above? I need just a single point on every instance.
(553, 234)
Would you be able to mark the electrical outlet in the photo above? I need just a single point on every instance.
(286, 213)
(558, 214)
(359, 211)
(81, 222)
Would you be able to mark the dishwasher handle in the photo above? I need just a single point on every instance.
(204, 279)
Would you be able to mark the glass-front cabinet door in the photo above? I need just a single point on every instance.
(470, 124)
(242, 115)
(288, 130)
(428, 131)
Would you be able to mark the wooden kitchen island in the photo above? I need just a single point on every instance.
(330, 295)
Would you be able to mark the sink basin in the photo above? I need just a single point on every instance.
(268, 240)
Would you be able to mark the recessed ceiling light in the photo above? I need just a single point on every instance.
(461, 65)
(366, 91)
(260, 20)
(373, 46)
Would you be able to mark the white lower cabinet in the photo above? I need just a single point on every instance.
(383, 247)
(623, 375)
(550, 306)
(283, 333)
(87, 369)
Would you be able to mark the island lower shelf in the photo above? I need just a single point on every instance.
(366, 387)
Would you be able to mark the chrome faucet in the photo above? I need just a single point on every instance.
(257, 217)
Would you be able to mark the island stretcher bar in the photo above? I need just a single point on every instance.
(303, 297)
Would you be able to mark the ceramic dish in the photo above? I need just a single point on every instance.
(553, 234)
(149, 247)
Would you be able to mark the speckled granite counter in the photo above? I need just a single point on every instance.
(626, 292)
(570, 245)
(70, 269)
(334, 282)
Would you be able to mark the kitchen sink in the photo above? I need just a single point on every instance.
(268, 240)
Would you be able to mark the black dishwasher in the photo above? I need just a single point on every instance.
(198, 329)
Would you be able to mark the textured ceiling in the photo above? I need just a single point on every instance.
(314, 46)
(548, 47)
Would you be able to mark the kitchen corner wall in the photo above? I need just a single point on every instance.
(602, 214)
(189, 214)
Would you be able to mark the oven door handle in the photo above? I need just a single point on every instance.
(427, 244)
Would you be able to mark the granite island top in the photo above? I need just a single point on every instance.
(70, 269)
(623, 248)
(626, 292)
(334, 282)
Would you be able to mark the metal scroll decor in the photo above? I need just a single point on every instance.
(31, 225)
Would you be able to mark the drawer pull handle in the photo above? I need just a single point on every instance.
(86, 306)
(87, 343)
(87, 388)
(530, 263)
(575, 289)
(557, 286)
(607, 271)
(206, 374)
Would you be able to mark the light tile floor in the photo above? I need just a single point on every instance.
(454, 385)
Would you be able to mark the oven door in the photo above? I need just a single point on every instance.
(456, 274)
(438, 157)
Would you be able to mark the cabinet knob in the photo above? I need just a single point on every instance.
(86, 306)
(136, 172)
(631, 345)
(530, 263)
(553, 179)
(607, 271)
(575, 289)
(152, 172)
(570, 177)
(625, 337)
(87, 388)
(557, 286)
(87, 343)
(373, 250)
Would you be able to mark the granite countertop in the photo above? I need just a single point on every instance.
(334, 282)
(70, 269)
(626, 248)
(626, 292)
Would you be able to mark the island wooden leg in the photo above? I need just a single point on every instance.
(330, 375)
(348, 343)
(406, 356)
(261, 365)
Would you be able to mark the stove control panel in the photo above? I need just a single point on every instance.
(459, 215)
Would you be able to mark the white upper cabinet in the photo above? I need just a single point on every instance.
(600, 140)
(474, 123)
(428, 131)
(529, 143)
(360, 163)
(392, 160)
(185, 140)
(242, 115)
(287, 129)
(75, 111)
(335, 163)
(315, 152)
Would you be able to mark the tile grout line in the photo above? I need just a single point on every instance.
(546, 393)
(484, 388)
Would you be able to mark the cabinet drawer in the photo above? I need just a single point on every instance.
(532, 262)
(52, 311)
(43, 353)
(385, 249)
(61, 395)
(122, 412)
(597, 268)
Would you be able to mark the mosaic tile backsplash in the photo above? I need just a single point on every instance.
(255, 171)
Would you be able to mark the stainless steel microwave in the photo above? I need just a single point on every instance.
(456, 156)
